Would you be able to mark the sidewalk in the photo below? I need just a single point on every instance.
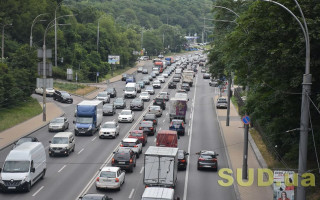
(234, 141)
(9, 136)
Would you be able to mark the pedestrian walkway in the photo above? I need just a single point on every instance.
(7, 137)
(234, 141)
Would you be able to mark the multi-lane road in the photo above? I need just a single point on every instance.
(67, 178)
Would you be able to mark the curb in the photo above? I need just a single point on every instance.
(257, 152)
(236, 189)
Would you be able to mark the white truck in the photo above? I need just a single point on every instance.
(158, 193)
(160, 167)
(178, 106)
(187, 77)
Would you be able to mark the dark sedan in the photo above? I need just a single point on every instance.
(62, 96)
(95, 197)
(172, 85)
(207, 160)
(151, 117)
(124, 158)
(120, 103)
(185, 86)
(137, 104)
(109, 109)
(148, 127)
(182, 159)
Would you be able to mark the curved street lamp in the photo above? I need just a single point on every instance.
(33, 23)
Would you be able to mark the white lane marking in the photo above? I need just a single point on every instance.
(166, 113)
(159, 129)
(155, 139)
(94, 138)
(62, 168)
(92, 180)
(80, 150)
(131, 193)
(188, 132)
(164, 120)
(189, 147)
(38, 191)
(141, 170)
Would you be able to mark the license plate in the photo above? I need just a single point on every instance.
(122, 162)
(176, 126)
(146, 129)
(11, 188)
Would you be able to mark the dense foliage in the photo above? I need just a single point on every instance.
(265, 49)
(125, 26)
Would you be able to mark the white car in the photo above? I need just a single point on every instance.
(150, 90)
(132, 143)
(109, 129)
(156, 84)
(49, 91)
(165, 75)
(145, 96)
(104, 97)
(110, 178)
(161, 79)
(126, 116)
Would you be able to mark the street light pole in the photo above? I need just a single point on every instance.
(55, 35)
(33, 23)
(2, 42)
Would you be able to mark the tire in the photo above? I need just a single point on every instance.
(124, 180)
(97, 188)
(43, 173)
(28, 188)
(73, 148)
(138, 155)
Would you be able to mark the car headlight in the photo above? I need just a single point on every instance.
(25, 179)
(90, 127)
(75, 128)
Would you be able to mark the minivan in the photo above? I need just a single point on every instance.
(23, 167)
(167, 138)
(130, 90)
(62, 143)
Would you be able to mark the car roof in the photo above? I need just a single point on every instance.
(110, 122)
(125, 110)
(155, 106)
(136, 131)
(111, 169)
(129, 140)
(207, 152)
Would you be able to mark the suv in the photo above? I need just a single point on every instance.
(160, 101)
(207, 159)
(148, 127)
(137, 104)
(151, 117)
(109, 129)
(132, 143)
(62, 96)
(177, 125)
(124, 158)
(222, 103)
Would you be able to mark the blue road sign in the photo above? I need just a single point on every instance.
(246, 119)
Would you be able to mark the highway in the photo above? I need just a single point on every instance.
(67, 178)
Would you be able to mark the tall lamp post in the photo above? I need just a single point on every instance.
(2, 42)
(33, 23)
(55, 35)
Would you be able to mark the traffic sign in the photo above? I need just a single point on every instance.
(246, 119)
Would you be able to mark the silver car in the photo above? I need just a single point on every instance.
(155, 110)
(59, 124)
(109, 129)
(150, 89)
(104, 97)
(222, 103)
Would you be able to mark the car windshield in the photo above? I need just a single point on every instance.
(57, 120)
(149, 116)
(146, 124)
(176, 122)
(130, 89)
(102, 95)
(163, 93)
(176, 76)
(84, 120)
(149, 88)
(106, 174)
(119, 100)
(22, 140)
(125, 112)
(207, 156)
(65, 94)
(144, 94)
(128, 144)
(92, 197)
(154, 108)
(110, 90)
(108, 125)
(16, 166)
(135, 134)
(60, 140)
(222, 101)
(136, 100)
(180, 155)
(108, 106)
(156, 81)
(185, 84)
(122, 156)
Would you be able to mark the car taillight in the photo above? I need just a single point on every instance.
(202, 159)
(154, 121)
(171, 124)
(112, 161)
(183, 160)
(151, 128)
(98, 178)
(215, 160)
(131, 161)
(140, 128)
(117, 179)
(121, 145)
(135, 146)
(182, 124)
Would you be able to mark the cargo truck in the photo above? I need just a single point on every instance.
(160, 167)
(187, 77)
(89, 117)
(178, 107)
(158, 193)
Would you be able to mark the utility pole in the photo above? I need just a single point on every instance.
(229, 95)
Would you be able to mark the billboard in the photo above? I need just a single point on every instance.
(112, 59)
(283, 184)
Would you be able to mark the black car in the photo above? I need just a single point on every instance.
(151, 117)
(146, 80)
(182, 159)
(177, 125)
(95, 197)
(207, 160)
(109, 109)
(23, 140)
(124, 158)
(112, 92)
(172, 85)
(148, 127)
(137, 104)
(120, 103)
(62, 96)
(160, 101)
(124, 77)
(185, 86)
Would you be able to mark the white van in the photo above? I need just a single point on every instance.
(158, 193)
(130, 90)
(23, 167)
(62, 143)
(178, 71)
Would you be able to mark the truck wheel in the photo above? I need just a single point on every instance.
(73, 148)
(28, 188)
(43, 173)
(138, 155)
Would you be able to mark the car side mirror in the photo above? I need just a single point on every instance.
(50, 142)
(73, 121)
(33, 170)
(187, 154)
(70, 142)
(217, 154)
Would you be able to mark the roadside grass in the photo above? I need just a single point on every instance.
(73, 88)
(10, 117)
